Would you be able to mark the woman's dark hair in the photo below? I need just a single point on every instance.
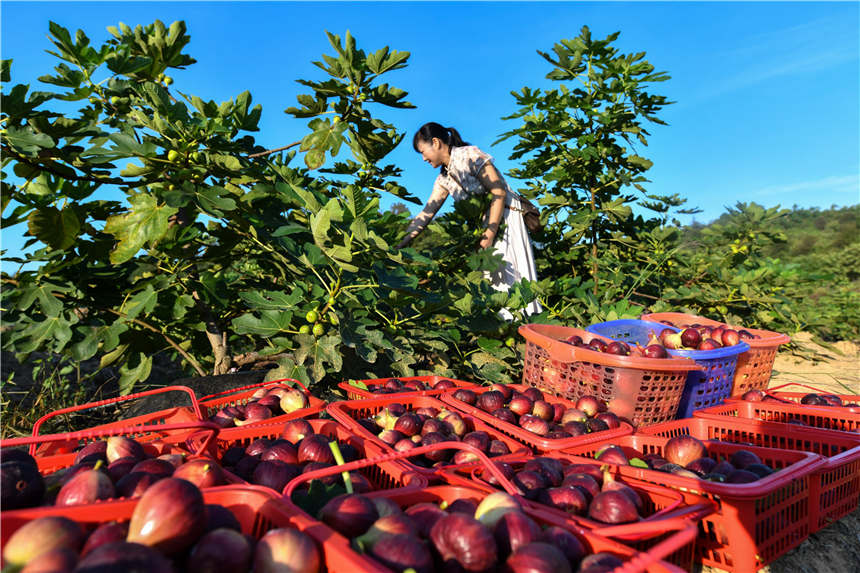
(447, 135)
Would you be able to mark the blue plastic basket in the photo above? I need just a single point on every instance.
(703, 388)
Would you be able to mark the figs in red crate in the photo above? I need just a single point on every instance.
(349, 514)
(170, 516)
(464, 541)
(39, 536)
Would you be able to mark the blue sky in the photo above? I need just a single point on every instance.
(768, 102)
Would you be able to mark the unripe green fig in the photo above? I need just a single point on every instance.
(318, 329)
(172, 155)
(312, 316)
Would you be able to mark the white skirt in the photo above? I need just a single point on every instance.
(516, 251)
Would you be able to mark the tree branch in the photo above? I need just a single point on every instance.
(270, 151)
(74, 177)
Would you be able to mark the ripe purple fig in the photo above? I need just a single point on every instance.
(753, 396)
(124, 556)
(169, 516)
(655, 351)
(566, 542)
(286, 549)
(566, 498)
(466, 395)
(202, 472)
(730, 337)
(220, 551)
(391, 437)
(464, 541)
(93, 452)
(272, 402)
(506, 390)
(408, 424)
(514, 530)
(612, 454)
(742, 458)
(109, 532)
(543, 409)
(246, 466)
(463, 505)
(39, 536)
(219, 517)
(551, 469)
(133, 484)
(589, 405)
(425, 515)
(121, 467)
(387, 526)
(315, 448)
(505, 415)
(254, 413)
(613, 507)
(575, 428)
(602, 562)
(724, 467)
(558, 411)
(596, 425)
(709, 344)
(702, 466)
(258, 446)
(21, 483)
(530, 483)
(296, 430)
(274, 474)
(618, 348)
(403, 552)
(157, 467)
(404, 444)
(690, 338)
(444, 384)
(490, 401)
(610, 419)
(534, 424)
(478, 439)
(122, 447)
(281, 450)
(597, 345)
(682, 450)
(428, 411)
(586, 483)
(742, 476)
(670, 338)
(456, 421)
(386, 506)
(86, 487)
(533, 394)
(589, 469)
(537, 557)
(611, 484)
(498, 448)
(349, 514)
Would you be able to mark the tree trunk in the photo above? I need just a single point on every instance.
(217, 338)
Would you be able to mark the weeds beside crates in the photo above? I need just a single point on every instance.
(640, 390)
(703, 388)
(755, 523)
(835, 485)
(755, 366)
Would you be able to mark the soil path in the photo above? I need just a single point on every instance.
(836, 548)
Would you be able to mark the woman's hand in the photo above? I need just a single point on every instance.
(486, 242)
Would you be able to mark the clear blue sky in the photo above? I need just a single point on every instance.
(767, 93)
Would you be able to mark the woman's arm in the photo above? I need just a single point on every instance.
(492, 181)
(422, 219)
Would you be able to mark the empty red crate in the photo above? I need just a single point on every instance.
(755, 522)
(754, 366)
(835, 485)
(356, 390)
(640, 390)
(534, 441)
(349, 412)
(258, 510)
(156, 420)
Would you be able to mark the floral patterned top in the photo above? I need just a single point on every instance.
(464, 165)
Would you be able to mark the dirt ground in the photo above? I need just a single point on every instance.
(836, 548)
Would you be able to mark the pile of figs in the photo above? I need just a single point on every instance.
(403, 429)
(172, 528)
(532, 411)
(495, 534)
(273, 462)
(398, 386)
(585, 490)
(688, 456)
(266, 402)
(811, 399)
(118, 467)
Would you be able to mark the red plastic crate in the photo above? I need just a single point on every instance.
(349, 412)
(534, 441)
(835, 486)
(781, 395)
(157, 420)
(680, 531)
(659, 503)
(755, 522)
(834, 419)
(240, 396)
(354, 392)
(385, 475)
(72, 440)
(754, 366)
(257, 509)
(640, 390)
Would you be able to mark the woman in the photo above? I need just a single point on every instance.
(466, 170)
